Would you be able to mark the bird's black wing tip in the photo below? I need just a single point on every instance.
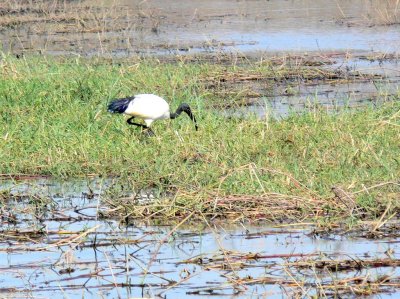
(119, 105)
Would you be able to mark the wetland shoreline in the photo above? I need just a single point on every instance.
(56, 125)
(290, 188)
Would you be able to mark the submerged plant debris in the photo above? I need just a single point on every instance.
(126, 28)
(56, 237)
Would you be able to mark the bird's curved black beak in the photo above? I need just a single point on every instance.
(190, 114)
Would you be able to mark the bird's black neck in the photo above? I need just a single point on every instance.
(184, 108)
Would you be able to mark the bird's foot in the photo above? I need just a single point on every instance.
(148, 132)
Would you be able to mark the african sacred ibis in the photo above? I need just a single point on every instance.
(148, 107)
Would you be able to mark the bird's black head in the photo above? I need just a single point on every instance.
(185, 108)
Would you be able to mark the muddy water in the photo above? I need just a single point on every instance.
(124, 28)
(327, 95)
(79, 255)
(270, 26)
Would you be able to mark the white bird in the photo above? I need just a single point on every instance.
(148, 107)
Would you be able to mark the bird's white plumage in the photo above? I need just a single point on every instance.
(148, 107)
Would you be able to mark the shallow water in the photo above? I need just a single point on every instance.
(124, 28)
(329, 95)
(148, 261)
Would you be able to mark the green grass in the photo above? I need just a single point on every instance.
(54, 122)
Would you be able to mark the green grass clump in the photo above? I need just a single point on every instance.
(54, 122)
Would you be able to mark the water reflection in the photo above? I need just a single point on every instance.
(126, 28)
(143, 260)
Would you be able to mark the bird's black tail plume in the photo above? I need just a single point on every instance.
(185, 108)
(119, 105)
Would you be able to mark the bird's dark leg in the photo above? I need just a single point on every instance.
(130, 122)
(145, 129)
(148, 132)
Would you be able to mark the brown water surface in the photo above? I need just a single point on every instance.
(124, 28)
